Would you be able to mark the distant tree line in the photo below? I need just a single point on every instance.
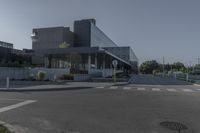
(151, 67)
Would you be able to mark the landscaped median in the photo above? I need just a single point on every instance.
(4, 129)
(7, 128)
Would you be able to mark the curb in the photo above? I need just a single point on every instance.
(43, 89)
(197, 85)
(11, 128)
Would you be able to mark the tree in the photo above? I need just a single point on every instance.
(178, 66)
(64, 45)
(168, 67)
(197, 66)
(148, 67)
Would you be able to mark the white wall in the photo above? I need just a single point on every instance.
(24, 73)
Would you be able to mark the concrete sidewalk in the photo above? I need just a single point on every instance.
(64, 86)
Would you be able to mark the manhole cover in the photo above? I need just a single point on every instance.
(173, 125)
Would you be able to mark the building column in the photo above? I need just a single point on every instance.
(89, 62)
(104, 65)
(111, 67)
(50, 61)
(104, 62)
(95, 61)
(46, 62)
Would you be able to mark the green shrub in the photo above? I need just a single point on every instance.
(41, 75)
(66, 77)
(3, 129)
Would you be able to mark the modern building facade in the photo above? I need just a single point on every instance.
(6, 45)
(10, 57)
(50, 38)
(86, 50)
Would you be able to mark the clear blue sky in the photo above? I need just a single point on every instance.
(153, 28)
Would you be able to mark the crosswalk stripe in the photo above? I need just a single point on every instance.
(113, 87)
(152, 89)
(127, 88)
(100, 87)
(141, 89)
(172, 90)
(188, 90)
(155, 89)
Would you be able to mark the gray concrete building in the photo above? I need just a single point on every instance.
(85, 50)
(10, 57)
(49, 38)
(6, 45)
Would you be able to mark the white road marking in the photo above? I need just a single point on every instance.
(155, 89)
(100, 87)
(141, 89)
(127, 88)
(198, 89)
(113, 87)
(188, 90)
(12, 99)
(16, 105)
(171, 90)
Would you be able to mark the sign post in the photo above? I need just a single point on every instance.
(114, 62)
(7, 82)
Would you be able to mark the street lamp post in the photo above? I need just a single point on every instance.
(115, 63)
(163, 66)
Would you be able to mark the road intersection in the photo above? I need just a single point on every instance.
(128, 108)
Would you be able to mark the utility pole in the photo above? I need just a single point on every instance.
(190, 66)
(163, 66)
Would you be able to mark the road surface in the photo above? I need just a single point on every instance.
(132, 108)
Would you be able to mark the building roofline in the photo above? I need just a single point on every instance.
(57, 27)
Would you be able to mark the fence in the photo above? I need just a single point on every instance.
(25, 73)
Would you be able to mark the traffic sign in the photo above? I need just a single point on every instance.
(115, 62)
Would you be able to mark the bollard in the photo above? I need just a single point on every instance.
(55, 77)
(7, 82)
(187, 77)
(114, 75)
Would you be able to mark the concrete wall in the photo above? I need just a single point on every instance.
(51, 37)
(82, 77)
(95, 72)
(24, 73)
(50, 72)
(82, 33)
(13, 73)
(101, 72)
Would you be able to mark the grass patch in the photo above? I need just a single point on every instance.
(3, 129)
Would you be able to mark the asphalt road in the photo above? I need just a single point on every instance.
(156, 80)
(133, 108)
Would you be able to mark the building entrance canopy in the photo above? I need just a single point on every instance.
(81, 58)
